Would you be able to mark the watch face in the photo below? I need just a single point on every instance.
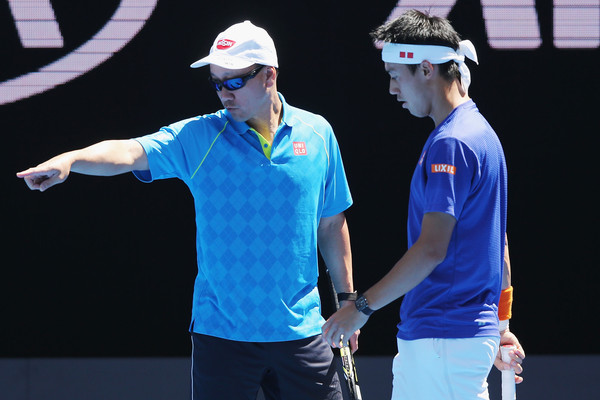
(363, 306)
(361, 302)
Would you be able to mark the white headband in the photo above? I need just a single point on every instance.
(398, 53)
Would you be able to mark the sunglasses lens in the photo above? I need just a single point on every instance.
(215, 85)
(233, 84)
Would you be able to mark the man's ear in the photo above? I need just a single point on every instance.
(427, 68)
(271, 75)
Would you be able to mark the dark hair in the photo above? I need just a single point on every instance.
(416, 27)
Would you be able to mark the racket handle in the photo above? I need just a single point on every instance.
(508, 376)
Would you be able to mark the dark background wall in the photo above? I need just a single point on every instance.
(105, 267)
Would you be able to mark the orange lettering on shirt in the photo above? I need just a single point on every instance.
(447, 168)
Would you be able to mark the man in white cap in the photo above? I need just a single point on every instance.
(455, 275)
(269, 185)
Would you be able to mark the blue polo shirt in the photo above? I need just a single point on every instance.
(461, 172)
(256, 218)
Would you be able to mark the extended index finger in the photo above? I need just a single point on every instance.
(24, 174)
(34, 171)
(35, 177)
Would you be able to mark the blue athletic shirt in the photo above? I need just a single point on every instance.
(461, 172)
(256, 219)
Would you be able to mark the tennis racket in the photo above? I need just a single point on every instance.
(346, 355)
(509, 391)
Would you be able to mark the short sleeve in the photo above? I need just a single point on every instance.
(450, 168)
(337, 192)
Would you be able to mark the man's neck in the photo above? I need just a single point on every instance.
(449, 97)
(267, 123)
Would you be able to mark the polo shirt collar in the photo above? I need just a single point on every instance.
(287, 112)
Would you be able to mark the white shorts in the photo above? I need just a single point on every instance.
(450, 369)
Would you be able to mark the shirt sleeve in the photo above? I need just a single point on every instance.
(450, 168)
(165, 155)
(337, 192)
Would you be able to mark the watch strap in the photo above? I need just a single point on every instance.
(347, 296)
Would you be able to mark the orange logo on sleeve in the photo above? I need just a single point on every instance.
(447, 168)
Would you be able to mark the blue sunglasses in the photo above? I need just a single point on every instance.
(234, 83)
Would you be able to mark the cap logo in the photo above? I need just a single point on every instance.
(224, 44)
(407, 54)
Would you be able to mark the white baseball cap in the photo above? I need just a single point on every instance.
(240, 46)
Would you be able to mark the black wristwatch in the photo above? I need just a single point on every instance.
(363, 306)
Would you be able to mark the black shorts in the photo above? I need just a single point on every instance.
(295, 370)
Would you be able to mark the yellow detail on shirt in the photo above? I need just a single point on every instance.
(264, 144)
(210, 148)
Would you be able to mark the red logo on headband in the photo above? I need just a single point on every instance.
(224, 44)
(404, 54)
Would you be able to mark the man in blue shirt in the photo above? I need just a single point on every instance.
(268, 185)
(452, 274)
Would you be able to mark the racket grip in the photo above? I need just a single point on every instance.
(508, 376)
